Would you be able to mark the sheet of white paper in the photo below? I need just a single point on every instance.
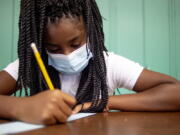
(79, 115)
(16, 127)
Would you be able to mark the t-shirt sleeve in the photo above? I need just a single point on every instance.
(122, 72)
(12, 69)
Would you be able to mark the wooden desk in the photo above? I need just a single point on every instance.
(118, 123)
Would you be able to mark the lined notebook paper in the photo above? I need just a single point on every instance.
(16, 127)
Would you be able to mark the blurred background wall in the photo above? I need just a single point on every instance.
(145, 31)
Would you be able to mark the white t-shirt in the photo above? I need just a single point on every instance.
(121, 73)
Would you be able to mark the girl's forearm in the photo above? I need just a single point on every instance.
(8, 105)
(165, 97)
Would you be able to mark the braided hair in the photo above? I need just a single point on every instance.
(33, 19)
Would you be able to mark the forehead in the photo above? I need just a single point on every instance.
(65, 26)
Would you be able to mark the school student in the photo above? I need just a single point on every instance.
(69, 36)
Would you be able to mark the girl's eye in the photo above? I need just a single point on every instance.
(53, 50)
(52, 47)
(76, 46)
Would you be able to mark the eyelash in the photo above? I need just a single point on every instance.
(56, 50)
(75, 46)
(53, 51)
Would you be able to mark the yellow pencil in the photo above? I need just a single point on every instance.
(42, 67)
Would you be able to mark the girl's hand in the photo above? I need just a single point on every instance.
(85, 106)
(47, 107)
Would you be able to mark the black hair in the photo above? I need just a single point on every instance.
(32, 26)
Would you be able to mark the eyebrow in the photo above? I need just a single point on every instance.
(50, 44)
(73, 39)
(70, 41)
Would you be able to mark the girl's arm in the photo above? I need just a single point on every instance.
(7, 103)
(48, 107)
(7, 83)
(156, 92)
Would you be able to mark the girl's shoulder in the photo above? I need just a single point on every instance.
(12, 69)
(121, 71)
(111, 57)
(118, 62)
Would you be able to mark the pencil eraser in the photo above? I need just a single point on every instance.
(33, 45)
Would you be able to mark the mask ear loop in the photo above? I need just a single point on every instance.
(88, 48)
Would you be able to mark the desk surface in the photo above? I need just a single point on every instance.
(117, 123)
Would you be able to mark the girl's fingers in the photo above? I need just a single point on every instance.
(68, 99)
(80, 107)
(60, 116)
(77, 109)
(106, 109)
(48, 119)
(65, 108)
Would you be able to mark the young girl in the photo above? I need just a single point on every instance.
(69, 35)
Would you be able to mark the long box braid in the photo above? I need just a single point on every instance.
(34, 15)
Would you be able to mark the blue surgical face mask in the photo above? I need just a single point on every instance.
(73, 63)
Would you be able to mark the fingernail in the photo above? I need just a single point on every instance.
(73, 112)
